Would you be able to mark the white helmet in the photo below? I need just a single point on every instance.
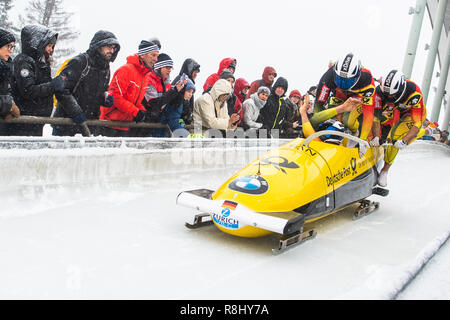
(348, 71)
(393, 86)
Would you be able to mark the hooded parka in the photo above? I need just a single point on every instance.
(209, 112)
(88, 76)
(274, 111)
(212, 79)
(188, 68)
(263, 82)
(31, 83)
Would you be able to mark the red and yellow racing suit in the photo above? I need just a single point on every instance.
(397, 119)
(329, 93)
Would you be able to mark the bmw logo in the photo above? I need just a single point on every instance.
(254, 185)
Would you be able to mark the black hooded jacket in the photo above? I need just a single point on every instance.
(274, 111)
(87, 79)
(188, 68)
(31, 87)
(5, 89)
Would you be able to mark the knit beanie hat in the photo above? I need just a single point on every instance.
(227, 75)
(295, 93)
(6, 37)
(163, 61)
(146, 47)
(233, 65)
(264, 90)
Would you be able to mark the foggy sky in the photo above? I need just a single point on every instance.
(298, 38)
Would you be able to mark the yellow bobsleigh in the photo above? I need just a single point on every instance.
(289, 187)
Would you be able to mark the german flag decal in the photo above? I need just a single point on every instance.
(230, 205)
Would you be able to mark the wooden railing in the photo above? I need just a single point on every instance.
(89, 123)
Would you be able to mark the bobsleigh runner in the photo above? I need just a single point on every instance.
(290, 187)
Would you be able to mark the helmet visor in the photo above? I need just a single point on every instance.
(393, 98)
(345, 83)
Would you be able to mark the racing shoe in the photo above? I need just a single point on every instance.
(382, 179)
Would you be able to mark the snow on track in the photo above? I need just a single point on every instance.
(114, 231)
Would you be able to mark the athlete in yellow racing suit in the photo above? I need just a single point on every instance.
(399, 116)
(347, 79)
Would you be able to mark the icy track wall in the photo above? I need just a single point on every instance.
(40, 172)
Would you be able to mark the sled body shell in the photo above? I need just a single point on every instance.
(292, 180)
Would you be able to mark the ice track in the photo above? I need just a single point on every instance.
(97, 219)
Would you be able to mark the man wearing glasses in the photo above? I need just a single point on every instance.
(87, 80)
(8, 109)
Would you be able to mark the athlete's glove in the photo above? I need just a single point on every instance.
(375, 142)
(351, 144)
(362, 150)
(400, 145)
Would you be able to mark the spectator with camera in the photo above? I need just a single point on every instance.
(191, 68)
(211, 109)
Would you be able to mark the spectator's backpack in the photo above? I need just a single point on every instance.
(83, 75)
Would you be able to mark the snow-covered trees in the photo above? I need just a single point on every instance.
(5, 17)
(52, 14)
(5, 6)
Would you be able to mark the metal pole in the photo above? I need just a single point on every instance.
(442, 83)
(446, 121)
(431, 60)
(414, 36)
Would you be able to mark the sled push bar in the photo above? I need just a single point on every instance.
(363, 145)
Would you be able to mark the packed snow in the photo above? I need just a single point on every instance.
(97, 220)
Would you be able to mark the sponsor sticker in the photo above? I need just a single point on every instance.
(323, 97)
(280, 163)
(340, 175)
(225, 219)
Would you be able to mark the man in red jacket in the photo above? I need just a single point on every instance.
(228, 63)
(267, 80)
(128, 87)
(160, 91)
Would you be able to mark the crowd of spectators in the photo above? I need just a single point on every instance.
(141, 91)
(434, 133)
